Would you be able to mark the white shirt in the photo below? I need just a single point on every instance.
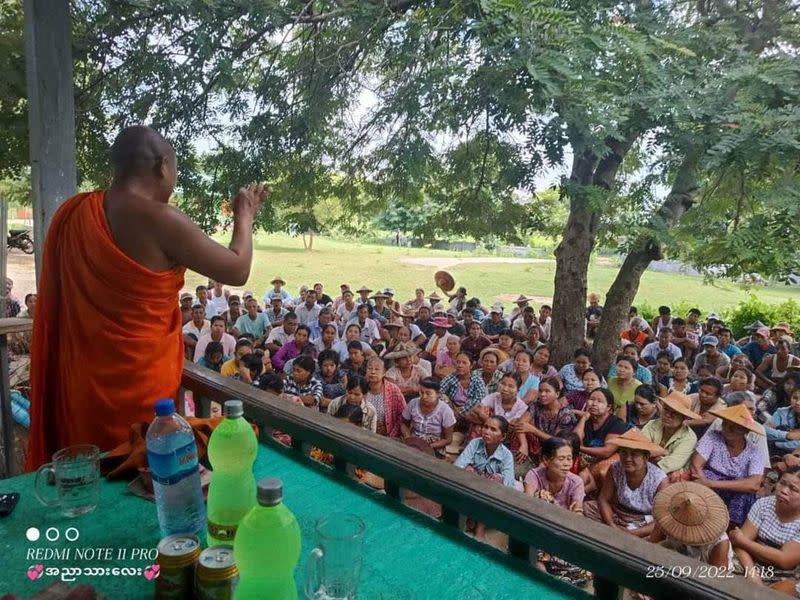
(369, 330)
(278, 335)
(220, 303)
(211, 309)
(228, 345)
(190, 327)
(548, 324)
(440, 342)
(307, 315)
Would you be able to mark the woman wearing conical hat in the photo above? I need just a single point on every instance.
(729, 463)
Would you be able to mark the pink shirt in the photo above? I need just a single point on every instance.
(228, 345)
(493, 401)
(572, 491)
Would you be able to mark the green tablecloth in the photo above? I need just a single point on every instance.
(407, 555)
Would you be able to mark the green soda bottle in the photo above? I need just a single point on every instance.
(232, 492)
(267, 547)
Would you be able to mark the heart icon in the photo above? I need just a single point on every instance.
(152, 572)
(35, 571)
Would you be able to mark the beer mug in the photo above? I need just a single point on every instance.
(334, 567)
(76, 471)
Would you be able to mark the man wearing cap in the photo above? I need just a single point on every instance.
(759, 347)
(276, 311)
(458, 301)
(495, 323)
(363, 296)
(521, 304)
(662, 344)
(710, 356)
(381, 313)
(322, 298)
(277, 290)
(253, 322)
(215, 334)
(195, 329)
(308, 311)
(186, 307)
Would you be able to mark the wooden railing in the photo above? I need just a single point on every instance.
(617, 560)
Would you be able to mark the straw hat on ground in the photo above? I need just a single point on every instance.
(739, 415)
(680, 403)
(444, 281)
(404, 350)
(690, 513)
(633, 439)
(278, 279)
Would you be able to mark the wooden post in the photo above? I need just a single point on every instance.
(51, 111)
(7, 460)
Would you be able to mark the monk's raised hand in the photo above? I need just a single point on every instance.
(249, 200)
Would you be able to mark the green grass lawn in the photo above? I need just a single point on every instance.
(333, 262)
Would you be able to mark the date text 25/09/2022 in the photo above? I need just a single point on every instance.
(704, 571)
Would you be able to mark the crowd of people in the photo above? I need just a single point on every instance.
(691, 439)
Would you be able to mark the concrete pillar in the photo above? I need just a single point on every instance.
(51, 111)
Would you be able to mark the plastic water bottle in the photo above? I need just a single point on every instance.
(172, 454)
(232, 492)
(267, 547)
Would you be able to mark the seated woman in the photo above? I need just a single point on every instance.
(544, 419)
(783, 428)
(331, 377)
(429, 419)
(627, 495)
(768, 542)
(405, 373)
(642, 373)
(680, 380)
(327, 339)
(475, 342)
(356, 363)
(623, 386)
(737, 362)
(572, 374)
(671, 433)
(464, 390)
(730, 464)
(527, 382)
(691, 520)
(302, 384)
(505, 343)
(662, 370)
(488, 370)
(213, 357)
(552, 481)
(777, 365)
(779, 396)
(487, 455)
(386, 398)
(356, 395)
(644, 407)
(446, 359)
(741, 380)
(707, 399)
(294, 348)
(577, 399)
(541, 366)
(598, 429)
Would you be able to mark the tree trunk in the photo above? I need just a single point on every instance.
(305, 244)
(310, 240)
(646, 249)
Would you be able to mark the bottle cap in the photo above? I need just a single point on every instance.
(165, 407)
(233, 409)
(270, 491)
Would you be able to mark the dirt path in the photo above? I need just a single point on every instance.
(445, 262)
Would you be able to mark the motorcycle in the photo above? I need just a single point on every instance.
(20, 239)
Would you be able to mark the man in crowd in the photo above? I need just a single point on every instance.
(710, 356)
(726, 345)
(232, 367)
(277, 290)
(112, 244)
(685, 340)
(369, 328)
(186, 302)
(308, 311)
(233, 313)
(544, 321)
(195, 329)
(201, 296)
(253, 322)
(423, 321)
(523, 324)
(215, 334)
(635, 335)
(495, 323)
(761, 345)
(322, 298)
(30, 307)
(662, 344)
(282, 334)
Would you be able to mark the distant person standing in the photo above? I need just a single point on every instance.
(109, 245)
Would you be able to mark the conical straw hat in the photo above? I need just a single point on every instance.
(739, 415)
(635, 440)
(690, 513)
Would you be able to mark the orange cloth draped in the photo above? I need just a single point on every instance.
(107, 338)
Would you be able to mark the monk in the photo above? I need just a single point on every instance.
(102, 358)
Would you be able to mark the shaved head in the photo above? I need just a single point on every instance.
(139, 150)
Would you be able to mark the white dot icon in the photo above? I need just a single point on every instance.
(32, 534)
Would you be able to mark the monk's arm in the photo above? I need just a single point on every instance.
(187, 245)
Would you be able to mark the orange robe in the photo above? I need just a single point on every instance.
(101, 356)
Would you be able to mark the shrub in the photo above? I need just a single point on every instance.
(753, 309)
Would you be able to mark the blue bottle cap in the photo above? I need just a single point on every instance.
(165, 407)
